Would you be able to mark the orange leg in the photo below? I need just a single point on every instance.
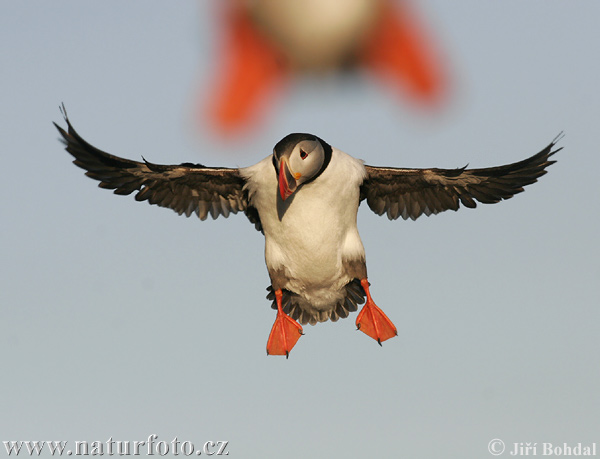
(372, 321)
(285, 332)
(250, 69)
(399, 49)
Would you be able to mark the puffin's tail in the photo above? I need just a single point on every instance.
(354, 295)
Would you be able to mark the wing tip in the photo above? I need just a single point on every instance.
(558, 138)
(69, 135)
(63, 111)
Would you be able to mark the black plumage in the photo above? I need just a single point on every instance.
(410, 193)
(186, 188)
(354, 296)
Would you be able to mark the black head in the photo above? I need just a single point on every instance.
(299, 159)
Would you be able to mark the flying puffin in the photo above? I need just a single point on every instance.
(304, 198)
(265, 42)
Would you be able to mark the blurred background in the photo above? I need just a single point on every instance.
(123, 320)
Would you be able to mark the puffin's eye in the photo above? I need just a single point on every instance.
(303, 154)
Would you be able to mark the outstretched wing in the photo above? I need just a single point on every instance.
(187, 188)
(412, 192)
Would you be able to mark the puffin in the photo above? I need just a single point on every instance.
(304, 198)
(265, 43)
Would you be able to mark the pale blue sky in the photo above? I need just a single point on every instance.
(122, 319)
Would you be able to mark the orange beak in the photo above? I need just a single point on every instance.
(287, 182)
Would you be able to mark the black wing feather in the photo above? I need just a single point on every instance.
(411, 193)
(186, 188)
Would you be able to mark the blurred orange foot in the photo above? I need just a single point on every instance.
(372, 321)
(251, 68)
(399, 49)
(285, 332)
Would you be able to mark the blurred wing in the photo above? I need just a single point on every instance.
(186, 188)
(412, 192)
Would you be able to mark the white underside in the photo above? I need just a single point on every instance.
(315, 34)
(317, 231)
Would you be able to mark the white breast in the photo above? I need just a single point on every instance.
(316, 34)
(317, 230)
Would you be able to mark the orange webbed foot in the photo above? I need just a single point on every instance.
(285, 332)
(372, 321)
(251, 68)
(400, 48)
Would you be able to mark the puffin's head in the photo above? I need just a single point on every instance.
(298, 159)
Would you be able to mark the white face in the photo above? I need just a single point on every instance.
(306, 160)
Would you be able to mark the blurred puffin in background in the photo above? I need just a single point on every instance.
(304, 198)
(265, 41)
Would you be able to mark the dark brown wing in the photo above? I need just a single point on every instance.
(186, 188)
(412, 192)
